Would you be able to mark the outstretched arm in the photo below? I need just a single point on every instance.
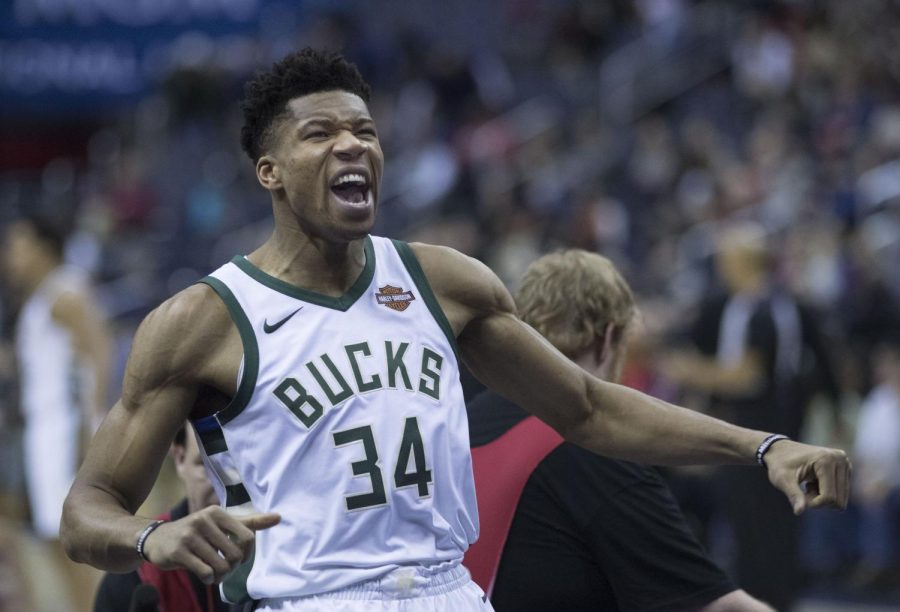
(168, 364)
(514, 360)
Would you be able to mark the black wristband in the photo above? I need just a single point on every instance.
(139, 547)
(765, 445)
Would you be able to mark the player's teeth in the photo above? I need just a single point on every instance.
(351, 178)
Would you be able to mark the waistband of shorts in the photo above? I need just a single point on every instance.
(406, 582)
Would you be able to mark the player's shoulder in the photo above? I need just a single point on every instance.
(457, 277)
(188, 324)
(191, 309)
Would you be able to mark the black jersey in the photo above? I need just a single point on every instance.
(592, 533)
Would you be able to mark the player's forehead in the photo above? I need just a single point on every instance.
(328, 107)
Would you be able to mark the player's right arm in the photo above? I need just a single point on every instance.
(181, 346)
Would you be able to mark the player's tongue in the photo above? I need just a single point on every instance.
(355, 194)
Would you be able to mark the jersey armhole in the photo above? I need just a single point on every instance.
(411, 262)
(249, 369)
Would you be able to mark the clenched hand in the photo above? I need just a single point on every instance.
(810, 476)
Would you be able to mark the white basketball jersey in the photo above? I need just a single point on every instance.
(349, 421)
(56, 387)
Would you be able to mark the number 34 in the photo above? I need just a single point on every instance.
(410, 445)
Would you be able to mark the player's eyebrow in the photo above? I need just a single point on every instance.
(332, 121)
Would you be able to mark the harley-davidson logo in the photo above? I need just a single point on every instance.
(394, 298)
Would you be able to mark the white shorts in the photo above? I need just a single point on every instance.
(406, 589)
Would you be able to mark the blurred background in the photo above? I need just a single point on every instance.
(634, 128)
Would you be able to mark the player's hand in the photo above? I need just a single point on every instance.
(810, 476)
(196, 541)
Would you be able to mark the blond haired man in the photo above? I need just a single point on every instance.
(588, 532)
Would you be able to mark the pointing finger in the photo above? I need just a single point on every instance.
(241, 528)
(258, 522)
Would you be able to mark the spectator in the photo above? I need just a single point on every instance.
(876, 455)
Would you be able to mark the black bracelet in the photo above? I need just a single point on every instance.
(766, 445)
(139, 547)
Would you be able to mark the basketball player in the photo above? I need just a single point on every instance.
(63, 348)
(321, 373)
(580, 532)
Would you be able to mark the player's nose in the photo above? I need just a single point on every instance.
(348, 146)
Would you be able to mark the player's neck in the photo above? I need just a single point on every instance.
(312, 263)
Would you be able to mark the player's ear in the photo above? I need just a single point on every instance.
(268, 173)
(605, 345)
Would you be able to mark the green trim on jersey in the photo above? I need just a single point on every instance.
(213, 441)
(234, 587)
(236, 495)
(415, 271)
(251, 351)
(342, 303)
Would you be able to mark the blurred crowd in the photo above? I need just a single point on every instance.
(633, 128)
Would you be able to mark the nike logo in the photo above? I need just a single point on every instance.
(271, 328)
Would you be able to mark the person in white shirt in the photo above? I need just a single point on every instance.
(63, 350)
(876, 461)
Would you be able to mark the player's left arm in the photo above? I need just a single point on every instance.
(513, 359)
(92, 339)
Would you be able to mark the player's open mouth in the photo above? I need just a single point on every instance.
(352, 188)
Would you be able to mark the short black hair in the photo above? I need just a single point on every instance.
(298, 74)
(49, 232)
